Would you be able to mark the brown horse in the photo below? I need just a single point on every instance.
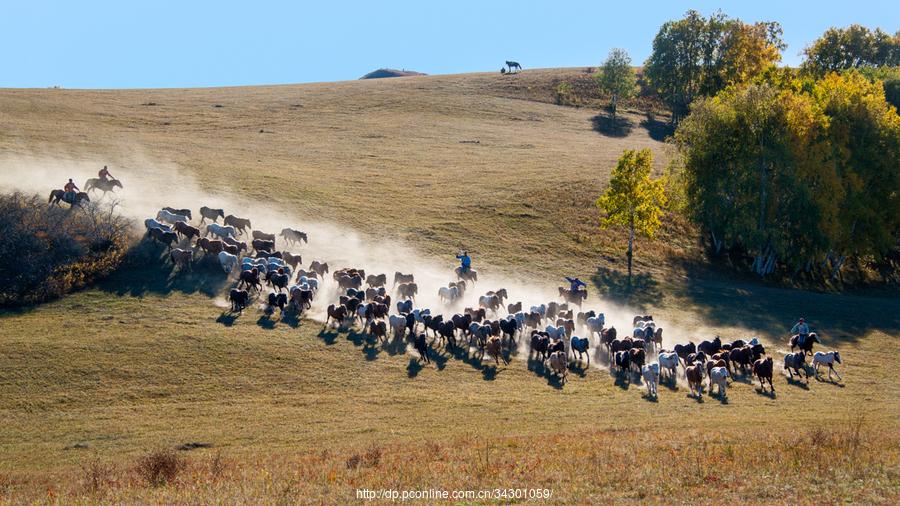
(694, 374)
(212, 246)
(376, 281)
(164, 236)
(104, 185)
(240, 245)
(56, 196)
(181, 257)
(762, 369)
(793, 362)
(291, 259)
(399, 277)
(576, 297)
(469, 275)
(262, 245)
(239, 224)
(208, 213)
(320, 268)
(186, 230)
(408, 290)
(336, 313)
(807, 347)
(256, 234)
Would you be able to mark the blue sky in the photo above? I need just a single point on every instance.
(137, 44)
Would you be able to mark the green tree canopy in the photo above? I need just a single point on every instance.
(795, 174)
(617, 77)
(696, 56)
(853, 47)
(633, 199)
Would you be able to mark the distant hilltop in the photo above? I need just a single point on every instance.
(382, 73)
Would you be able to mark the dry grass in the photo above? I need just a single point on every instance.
(578, 467)
(299, 415)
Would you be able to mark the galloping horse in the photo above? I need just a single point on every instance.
(58, 195)
(807, 347)
(104, 185)
(469, 275)
(576, 297)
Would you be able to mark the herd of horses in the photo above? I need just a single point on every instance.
(557, 333)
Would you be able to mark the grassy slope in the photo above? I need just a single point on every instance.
(130, 373)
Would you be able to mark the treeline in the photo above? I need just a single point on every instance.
(792, 170)
(47, 251)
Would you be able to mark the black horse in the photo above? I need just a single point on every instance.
(513, 65)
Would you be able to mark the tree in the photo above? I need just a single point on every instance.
(633, 199)
(864, 145)
(853, 47)
(754, 171)
(801, 173)
(696, 56)
(617, 77)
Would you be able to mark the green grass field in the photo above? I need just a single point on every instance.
(147, 360)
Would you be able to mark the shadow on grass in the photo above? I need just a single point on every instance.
(613, 285)
(146, 270)
(227, 318)
(329, 337)
(415, 365)
(656, 129)
(837, 318)
(266, 322)
(612, 127)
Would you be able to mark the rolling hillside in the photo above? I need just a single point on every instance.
(148, 359)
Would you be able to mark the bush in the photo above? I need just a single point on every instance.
(47, 251)
(160, 467)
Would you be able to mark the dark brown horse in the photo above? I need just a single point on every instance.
(807, 347)
(320, 268)
(186, 230)
(399, 277)
(468, 275)
(256, 234)
(104, 185)
(762, 369)
(57, 196)
(336, 313)
(576, 297)
(242, 225)
(793, 362)
(208, 213)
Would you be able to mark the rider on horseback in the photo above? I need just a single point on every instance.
(801, 330)
(104, 174)
(575, 284)
(465, 261)
(70, 189)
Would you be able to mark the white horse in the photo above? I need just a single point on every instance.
(828, 359)
(227, 261)
(220, 231)
(669, 361)
(556, 332)
(448, 294)
(541, 310)
(151, 223)
(650, 372)
(595, 324)
(170, 217)
(398, 325)
(718, 376)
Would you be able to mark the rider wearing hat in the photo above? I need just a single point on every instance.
(70, 189)
(465, 261)
(801, 330)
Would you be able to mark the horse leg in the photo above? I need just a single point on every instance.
(831, 368)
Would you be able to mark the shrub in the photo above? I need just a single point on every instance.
(160, 467)
(47, 251)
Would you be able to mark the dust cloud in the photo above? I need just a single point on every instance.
(150, 185)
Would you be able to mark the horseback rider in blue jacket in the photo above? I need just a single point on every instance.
(465, 261)
(575, 284)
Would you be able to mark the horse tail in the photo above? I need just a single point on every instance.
(49, 200)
